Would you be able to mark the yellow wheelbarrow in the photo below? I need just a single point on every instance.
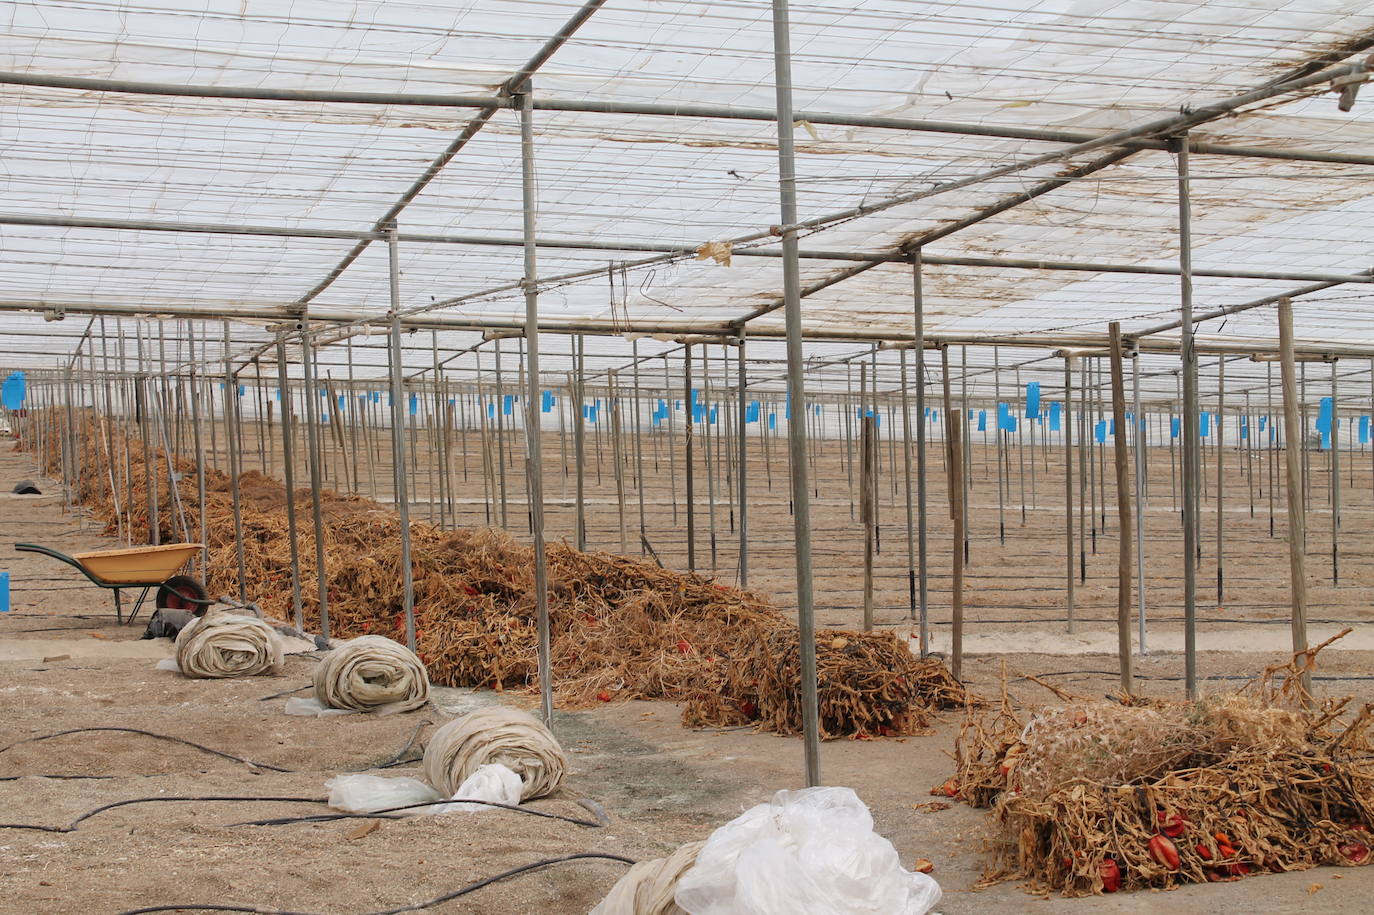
(145, 567)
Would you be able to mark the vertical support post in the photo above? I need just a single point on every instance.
(312, 432)
(289, 468)
(796, 389)
(1068, 489)
(534, 466)
(1297, 512)
(868, 456)
(689, 421)
(1220, 446)
(910, 511)
(1141, 443)
(922, 527)
(1123, 508)
(1191, 459)
(1334, 437)
(580, 442)
(234, 445)
(955, 446)
(398, 431)
(742, 473)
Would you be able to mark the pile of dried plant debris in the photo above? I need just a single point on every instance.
(1100, 796)
(622, 628)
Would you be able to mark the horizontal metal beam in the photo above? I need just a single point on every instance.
(1012, 263)
(670, 332)
(608, 106)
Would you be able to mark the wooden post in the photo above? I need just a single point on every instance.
(1297, 520)
(1123, 508)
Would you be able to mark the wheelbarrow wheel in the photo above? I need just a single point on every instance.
(181, 592)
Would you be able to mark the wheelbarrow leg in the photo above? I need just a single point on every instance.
(119, 610)
(138, 606)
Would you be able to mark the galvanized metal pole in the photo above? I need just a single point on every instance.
(398, 444)
(796, 389)
(742, 474)
(231, 427)
(689, 408)
(1220, 446)
(289, 468)
(533, 448)
(1123, 503)
(1141, 443)
(1191, 460)
(1068, 490)
(910, 511)
(1335, 480)
(1297, 507)
(922, 527)
(312, 414)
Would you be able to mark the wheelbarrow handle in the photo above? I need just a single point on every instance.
(46, 551)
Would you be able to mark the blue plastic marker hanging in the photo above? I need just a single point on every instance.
(935, 416)
(1364, 429)
(788, 410)
(15, 390)
(982, 420)
(751, 412)
(1033, 400)
(491, 410)
(1263, 422)
(1205, 427)
(278, 392)
(414, 404)
(772, 420)
(1111, 426)
(1324, 415)
(1244, 428)
(1055, 410)
(341, 401)
(1100, 431)
(376, 396)
(713, 415)
(1173, 427)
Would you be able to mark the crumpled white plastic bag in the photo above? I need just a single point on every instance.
(491, 782)
(811, 851)
(370, 793)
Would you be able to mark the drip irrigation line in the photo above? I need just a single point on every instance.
(15, 778)
(170, 739)
(391, 813)
(71, 827)
(1117, 673)
(285, 692)
(414, 907)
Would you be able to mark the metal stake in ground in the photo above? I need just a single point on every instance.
(1068, 488)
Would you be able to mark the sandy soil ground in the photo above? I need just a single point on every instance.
(661, 784)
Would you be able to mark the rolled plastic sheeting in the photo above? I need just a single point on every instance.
(648, 887)
(220, 645)
(507, 736)
(372, 674)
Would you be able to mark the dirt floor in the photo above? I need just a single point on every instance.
(64, 663)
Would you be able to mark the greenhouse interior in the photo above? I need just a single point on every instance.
(649, 457)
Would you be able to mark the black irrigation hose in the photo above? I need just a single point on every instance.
(384, 812)
(1117, 673)
(71, 827)
(414, 907)
(188, 743)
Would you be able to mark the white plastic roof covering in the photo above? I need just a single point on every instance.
(1082, 64)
